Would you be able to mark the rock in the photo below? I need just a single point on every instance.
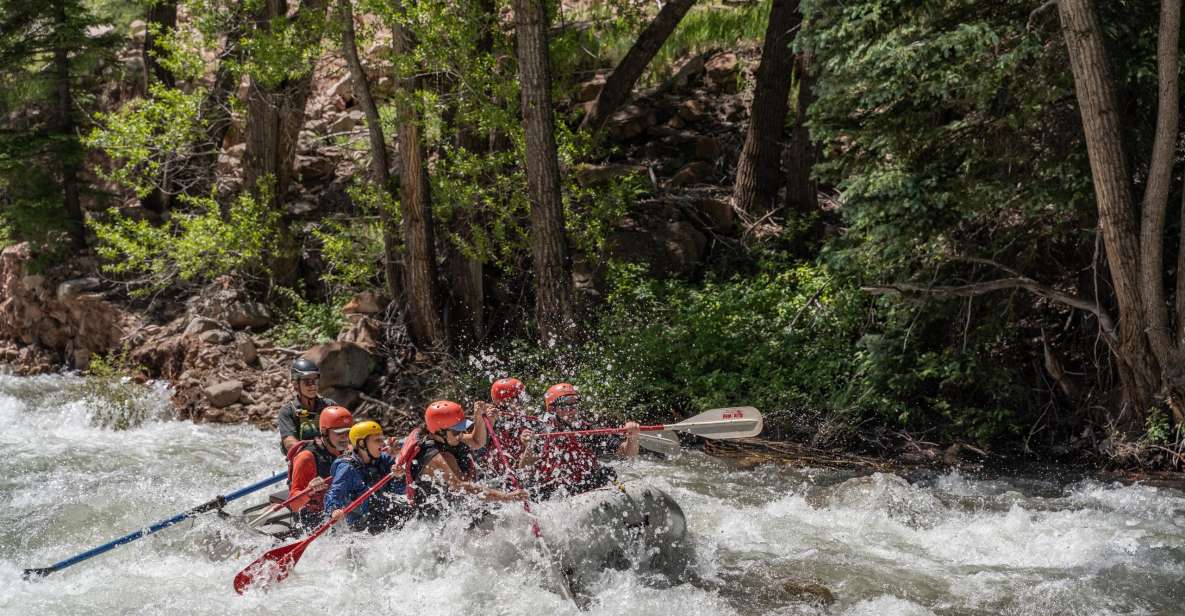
(73, 288)
(200, 325)
(215, 336)
(347, 122)
(708, 149)
(82, 358)
(696, 172)
(301, 207)
(721, 71)
(691, 110)
(685, 245)
(315, 170)
(343, 396)
(688, 73)
(223, 301)
(590, 89)
(719, 214)
(676, 122)
(247, 350)
(631, 121)
(342, 364)
(224, 394)
(366, 302)
(809, 591)
(33, 283)
(363, 331)
(343, 89)
(139, 30)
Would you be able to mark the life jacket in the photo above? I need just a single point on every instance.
(568, 463)
(307, 420)
(324, 459)
(425, 494)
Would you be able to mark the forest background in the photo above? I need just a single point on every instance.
(883, 222)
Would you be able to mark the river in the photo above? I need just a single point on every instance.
(941, 544)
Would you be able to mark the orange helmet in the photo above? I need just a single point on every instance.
(506, 389)
(557, 391)
(335, 418)
(446, 414)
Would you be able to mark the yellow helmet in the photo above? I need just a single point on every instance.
(362, 430)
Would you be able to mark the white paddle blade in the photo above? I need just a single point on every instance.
(664, 443)
(726, 423)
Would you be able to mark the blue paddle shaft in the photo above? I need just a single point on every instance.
(216, 503)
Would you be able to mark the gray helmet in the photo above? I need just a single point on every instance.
(304, 367)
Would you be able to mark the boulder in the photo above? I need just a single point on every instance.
(215, 336)
(315, 170)
(73, 288)
(347, 121)
(224, 394)
(688, 73)
(631, 121)
(246, 348)
(342, 364)
(223, 301)
(721, 71)
(718, 213)
(199, 325)
(696, 172)
(366, 302)
(708, 149)
(342, 396)
(691, 110)
(300, 207)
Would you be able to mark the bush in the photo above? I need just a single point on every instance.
(303, 323)
(193, 246)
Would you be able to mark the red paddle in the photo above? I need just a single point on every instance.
(562, 582)
(276, 564)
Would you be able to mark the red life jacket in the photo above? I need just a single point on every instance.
(564, 463)
(324, 460)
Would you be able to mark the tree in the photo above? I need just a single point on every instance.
(1149, 358)
(549, 250)
(283, 51)
(380, 167)
(419, 263)
(621, 81)
(801, 191)
(759, 167)
(47, 52)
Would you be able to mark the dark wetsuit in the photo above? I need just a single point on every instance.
(432, 499)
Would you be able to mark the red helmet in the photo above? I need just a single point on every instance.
(446, 414)
(557, 391)
(336, 418)
(506, 389)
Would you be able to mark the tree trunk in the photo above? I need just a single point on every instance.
(419, 265)
(549, 250)
(621, 81)
(275, 115)
(68, 150)
(380, 165)
(759, 168)
(1094, 86)
(162, 15)
(802, 194)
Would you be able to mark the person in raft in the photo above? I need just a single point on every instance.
(355, 472)
(310, 465)
(509, 417)
(443, 473)
(569, 464)
(299, 418)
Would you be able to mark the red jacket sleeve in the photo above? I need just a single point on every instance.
(304, 469)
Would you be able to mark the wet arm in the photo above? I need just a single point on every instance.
(447, 470)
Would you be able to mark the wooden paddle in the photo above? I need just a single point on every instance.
(725, 423)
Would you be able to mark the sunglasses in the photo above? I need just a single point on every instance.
(310, 381)
(567, 402)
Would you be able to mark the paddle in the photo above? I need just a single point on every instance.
(217, 502)
(276, 564)
(565, 590)
(278, 506)
(664, 443)
(726, 423)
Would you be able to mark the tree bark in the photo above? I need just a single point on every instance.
(380, 165)
(621, 81)
(275, 116)
(1094, 86)
(549, 250)
(802, 194)
(419, 266)
(163, 15)
(759, 167)
(68, 150)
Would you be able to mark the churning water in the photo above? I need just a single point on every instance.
(949, 544)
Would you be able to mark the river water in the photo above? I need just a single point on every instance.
(942, 544)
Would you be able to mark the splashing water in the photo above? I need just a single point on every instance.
(766, 541)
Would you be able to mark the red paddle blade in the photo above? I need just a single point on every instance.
(272, 567)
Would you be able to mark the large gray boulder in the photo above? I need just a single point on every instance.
(342, 364)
